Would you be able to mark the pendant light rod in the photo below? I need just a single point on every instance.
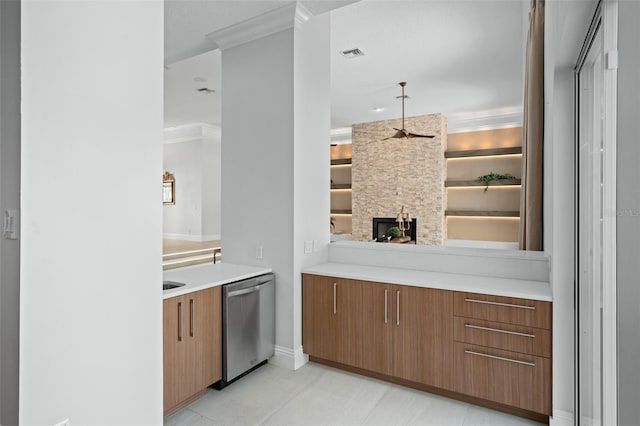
(402, 84)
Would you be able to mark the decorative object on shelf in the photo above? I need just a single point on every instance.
(486, 179)
(404, 221)
(394, 232)
(403, 133)
(168, 188)
(332, 223)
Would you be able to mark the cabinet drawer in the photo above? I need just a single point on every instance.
(508, 310)
(515, 338)
(510, 378)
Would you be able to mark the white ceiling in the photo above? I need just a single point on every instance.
(461, 58)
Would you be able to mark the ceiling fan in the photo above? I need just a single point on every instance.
(403, 133)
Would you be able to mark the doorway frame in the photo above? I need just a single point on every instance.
(606, 19)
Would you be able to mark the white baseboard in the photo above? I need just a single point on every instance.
(190, 237)
(288, 358)
(561, 418)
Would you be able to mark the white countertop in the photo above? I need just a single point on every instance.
(206, 276)
(508, 287)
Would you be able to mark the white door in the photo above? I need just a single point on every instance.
(590, 219)
(595, 216)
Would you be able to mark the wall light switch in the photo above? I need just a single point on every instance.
(259, 253)
(315, 246)
(308, 246)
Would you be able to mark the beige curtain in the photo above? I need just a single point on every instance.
(532, 137)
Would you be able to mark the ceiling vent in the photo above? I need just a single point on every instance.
(352, 53)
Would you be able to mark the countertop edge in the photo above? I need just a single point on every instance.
(507, 287)
(203, 277)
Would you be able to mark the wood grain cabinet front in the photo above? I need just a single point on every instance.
(408, 332)
(508, 378)
(332, 319)
(496, 350)
(502, 350)
(192, 345)
(394, 330)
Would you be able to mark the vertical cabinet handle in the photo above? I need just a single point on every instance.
(179, 321)
(191, 311)
(335, 296)
(398, 307)
(386, 293)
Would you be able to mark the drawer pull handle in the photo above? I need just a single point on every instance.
(530, 364)
(497, 330)
(509, 305)
(335, 297)
(179, 321)
(398, 307)
(386, 294)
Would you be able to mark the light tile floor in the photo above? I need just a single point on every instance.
(319, 395)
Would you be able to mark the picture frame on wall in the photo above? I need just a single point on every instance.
(168, 189)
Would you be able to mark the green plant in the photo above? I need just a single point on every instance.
(486, 179)
(394, 232)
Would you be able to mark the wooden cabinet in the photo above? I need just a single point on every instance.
(407, 333)
(494, 349)
(192, 345)
(423, 337)
(332, 319)
(395, 330)
(502, 350)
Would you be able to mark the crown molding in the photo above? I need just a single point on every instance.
(274, 21)
(485, 120)
(340, 135)
(192, 132)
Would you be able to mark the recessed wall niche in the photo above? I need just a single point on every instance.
(387, 174)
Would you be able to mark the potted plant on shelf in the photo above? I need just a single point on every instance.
(486, 179)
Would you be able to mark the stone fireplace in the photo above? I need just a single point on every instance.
(387, 174)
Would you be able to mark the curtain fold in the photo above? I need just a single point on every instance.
(533, 133)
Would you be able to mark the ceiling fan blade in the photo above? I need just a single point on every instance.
(400, 134)
(415, 135)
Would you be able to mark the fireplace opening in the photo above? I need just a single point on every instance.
(381, 224)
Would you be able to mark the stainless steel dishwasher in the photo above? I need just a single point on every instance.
(248, 325)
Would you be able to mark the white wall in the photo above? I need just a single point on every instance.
(195, 165)
(91, 308)
(628, 213)
(9, 199)
(211, 176)
(257, 171)
(312, 106)
(275, 133)
(183, 220)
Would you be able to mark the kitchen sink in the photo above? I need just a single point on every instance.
(168, 285)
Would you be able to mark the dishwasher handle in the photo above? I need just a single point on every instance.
(248, 290)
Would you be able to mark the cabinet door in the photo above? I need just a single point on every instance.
(348, 321)
(332, 319)
(176, 352)
(378, 323)
(206, 317)
(423, 334)
(318, 317)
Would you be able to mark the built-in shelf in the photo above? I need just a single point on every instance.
(483, 152)
(462, 183)
(340, 211)
(483, 213)
(341, 186)
(341, 162)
